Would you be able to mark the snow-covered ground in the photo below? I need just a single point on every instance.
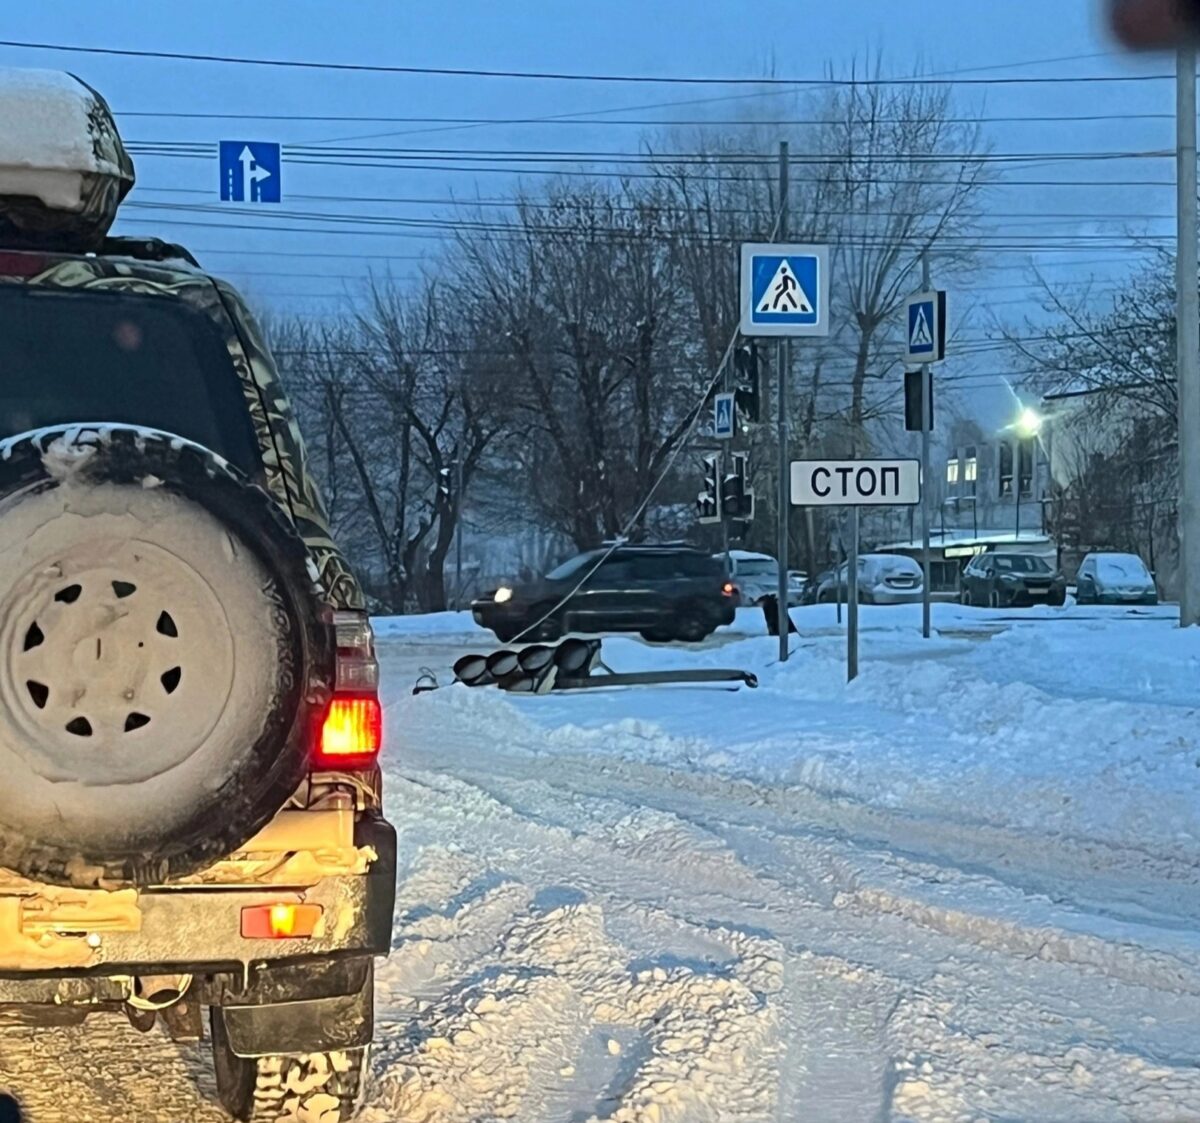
(964, 887)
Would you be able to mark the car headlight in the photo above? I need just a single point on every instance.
(1009, 578)
(502, 594)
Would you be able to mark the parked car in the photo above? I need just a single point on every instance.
(668, 592)
(882, 579)
(757, 577)
(1004, 580)
(1105, 578)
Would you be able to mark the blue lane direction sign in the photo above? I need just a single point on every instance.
(785, 289)
(925, 327)
(250, 171)
(723, 415)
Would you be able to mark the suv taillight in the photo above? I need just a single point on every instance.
(351, 733)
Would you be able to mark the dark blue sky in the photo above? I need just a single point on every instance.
(789, 38)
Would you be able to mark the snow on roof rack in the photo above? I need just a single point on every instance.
(147, 249)
(63, 168)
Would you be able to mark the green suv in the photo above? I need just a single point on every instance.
(190, 724)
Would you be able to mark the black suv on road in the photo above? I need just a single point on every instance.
(669, 592)
(191, 811)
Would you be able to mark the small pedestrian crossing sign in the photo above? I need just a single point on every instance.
(925, 317)
(723, 414)
(785, 289)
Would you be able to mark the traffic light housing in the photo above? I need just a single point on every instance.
(912, 401)
(747, 395)
(737, 497)
(708, 502)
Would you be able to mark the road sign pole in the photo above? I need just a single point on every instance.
(1187, 341)
(458, 528)
(926, 489)
(852, 600)
(781, 430)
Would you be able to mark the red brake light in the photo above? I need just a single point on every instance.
(352, 733)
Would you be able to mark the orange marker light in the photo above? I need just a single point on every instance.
(280, 921)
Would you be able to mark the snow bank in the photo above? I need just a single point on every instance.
(429, 624)
(1084, 724)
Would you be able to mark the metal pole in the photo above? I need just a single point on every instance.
(1187, 335)
(926, 399)
(781, 429)
(1017, 481)
(852, 601)
(458, 531)
(724, 472)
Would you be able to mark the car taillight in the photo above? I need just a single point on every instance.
(351, 732)
(727, 589)
(357, 667)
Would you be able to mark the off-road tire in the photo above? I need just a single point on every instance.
(267, 744)
(304, 1088)
(657, 635)
(692, 624)
(995, 600)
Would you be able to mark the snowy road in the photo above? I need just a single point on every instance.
(967, 887)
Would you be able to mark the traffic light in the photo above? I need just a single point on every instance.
(708, 502)
(746, 392)
(737, 497)
(912, 401)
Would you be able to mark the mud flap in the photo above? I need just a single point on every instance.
(314, 1025)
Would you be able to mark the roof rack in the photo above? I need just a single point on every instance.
(147, 249)
(625, 544)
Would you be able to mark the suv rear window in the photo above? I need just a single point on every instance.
(122, 357)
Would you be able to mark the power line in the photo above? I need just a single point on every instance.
(654, 159)
(564, 76)
(732, 122)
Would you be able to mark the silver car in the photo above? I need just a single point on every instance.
(1105, 578)
(882, 579)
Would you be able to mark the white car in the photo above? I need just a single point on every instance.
(757, 577)
(882, 579)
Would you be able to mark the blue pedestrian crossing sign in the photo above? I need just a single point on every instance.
(785, 289)
(723, 415)
(925, 327)
(250, 171)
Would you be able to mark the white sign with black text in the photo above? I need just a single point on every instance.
(856, 483)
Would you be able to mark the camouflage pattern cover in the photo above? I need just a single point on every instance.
(286, 474)
(26, 222)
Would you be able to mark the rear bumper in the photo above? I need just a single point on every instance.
(196, 930)
(884, 595)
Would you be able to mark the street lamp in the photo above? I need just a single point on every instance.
(1029, 422)
(1028, 425)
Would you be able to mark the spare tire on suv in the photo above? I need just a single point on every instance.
(163, 656)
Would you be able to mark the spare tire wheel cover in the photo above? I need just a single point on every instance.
(146, 651)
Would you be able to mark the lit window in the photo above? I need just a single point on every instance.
(951, 471)
(970, 469)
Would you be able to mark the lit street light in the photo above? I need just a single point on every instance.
(1029, 423)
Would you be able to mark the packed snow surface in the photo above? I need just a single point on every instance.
(964, 887)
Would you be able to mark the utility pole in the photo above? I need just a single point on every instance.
(458, 530)
(1187, 339)
(783, 356)
(724, 472)
(926, 484)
